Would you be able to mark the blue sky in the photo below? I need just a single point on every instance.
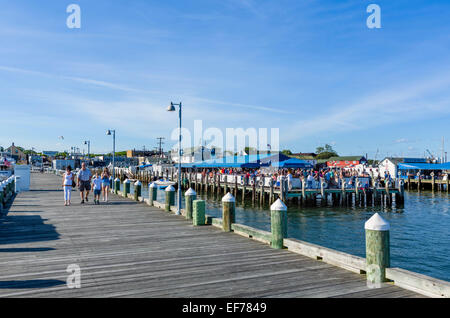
(311, 68)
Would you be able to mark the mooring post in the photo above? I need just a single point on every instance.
(377, 249)
(1, 197)
(228, 211)
(190, 196)
(278, 224)
(356, 191)
(170, 198)
(401, 191)
(126, 187)
(243, 189)
(137, 190)
(198, 217)
(152, 193)
(253, 190)
(261, 192)
(433, 181)
(116, 185)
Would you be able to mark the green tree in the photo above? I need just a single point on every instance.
(326, 152)
(286, 152)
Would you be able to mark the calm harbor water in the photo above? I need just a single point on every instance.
(420, 231)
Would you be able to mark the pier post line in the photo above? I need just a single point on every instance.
(126, 187)
(170, 198)
(235, 185)
(356, 191)
(218, 184)
(198, 217)
(322, 188)
(137, 190)
(419, 182)
(433, 181)
(303, 191)
(243, 189)
(271, 191)
(281, 188)
(447, 182)
(152, 193)
(278, 224)
(261, 194)
(228, 211)
(116, 185)
(1, 197)
(388, 195)
(377, 250)
(190, 195)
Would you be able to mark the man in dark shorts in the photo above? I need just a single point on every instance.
(84, 182)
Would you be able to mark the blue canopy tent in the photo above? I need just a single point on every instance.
(249, 161)
(292, 163)
(277, 160)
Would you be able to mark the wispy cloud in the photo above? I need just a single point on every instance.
(70, 78)
(391, 105)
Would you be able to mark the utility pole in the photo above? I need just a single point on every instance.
(160, 143)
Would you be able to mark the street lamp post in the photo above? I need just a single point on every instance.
(113, 133)
(88, 143)
(171, 108)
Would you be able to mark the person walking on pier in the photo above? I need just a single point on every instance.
(97, 185)
(84, 182)
(68, 183)
(105, 184)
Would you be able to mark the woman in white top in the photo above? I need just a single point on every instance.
(68, 181)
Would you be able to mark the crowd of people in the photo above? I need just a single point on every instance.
(331, 176)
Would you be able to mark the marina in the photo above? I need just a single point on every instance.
(119, 259)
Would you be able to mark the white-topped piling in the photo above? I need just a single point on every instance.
(170, 197)
(190, 196)
(377, 249)
(278, 224)
(228, 211)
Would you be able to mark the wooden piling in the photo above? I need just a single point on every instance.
(278, 224)
(228, 211)
(190, 196)
(377, 250)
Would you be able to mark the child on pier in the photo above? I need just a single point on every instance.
(97, 185)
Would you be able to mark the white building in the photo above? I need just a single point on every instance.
(195, 154)
(390, 164)
(60, 164)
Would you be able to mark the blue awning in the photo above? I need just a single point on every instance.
(250, 161)
(277, 160)
(424, 166)
(292, 163)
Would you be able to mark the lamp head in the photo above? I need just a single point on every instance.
(108, 133)
(171, 108)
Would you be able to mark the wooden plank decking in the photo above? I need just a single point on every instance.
(128, 249)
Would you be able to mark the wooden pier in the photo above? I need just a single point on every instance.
(129, 249)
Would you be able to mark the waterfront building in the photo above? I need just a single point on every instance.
(391, 164)
(17, 153)
(345, 162)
